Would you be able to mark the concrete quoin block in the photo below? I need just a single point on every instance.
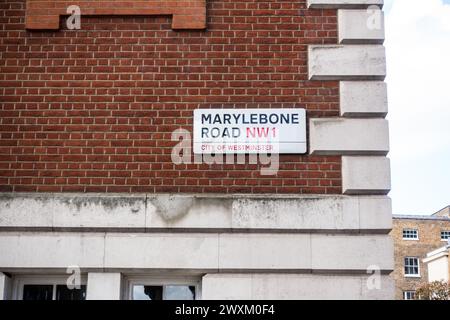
(375, 213)
(361, 26)
(349, 4)
(346, 62)
(366, 175)
(335, 136)
(363, 99)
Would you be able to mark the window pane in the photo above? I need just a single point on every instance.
(179, 293)
(409, 295)
(411, 266)
(147, 292)
(37, 292)
(64, 293)
(410, 234)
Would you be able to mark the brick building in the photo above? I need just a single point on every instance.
(414, 237)
(89, 186)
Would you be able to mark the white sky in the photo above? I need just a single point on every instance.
(418, 61)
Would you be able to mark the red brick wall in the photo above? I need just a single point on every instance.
(92, 110)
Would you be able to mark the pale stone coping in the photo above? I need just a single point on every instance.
(363, 99)
(346, 62)
(103, 286)
(440, 251)
(294, 287)
(301, 253)
(435, 257)
(361, 26)
(366, 175)
(194, 213)
(349, 4)
(343, 136)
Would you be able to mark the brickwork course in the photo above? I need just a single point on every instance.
(93, 110)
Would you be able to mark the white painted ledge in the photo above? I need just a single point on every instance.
(363, 99)
(347, 62)
(366, 175)
(349, 4)
(192, 213)
(341, 136)
(190, 252)
(294, 287)
(103, 286)
(361, 26)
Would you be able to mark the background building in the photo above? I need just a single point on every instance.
(89, 185)
(414, 237)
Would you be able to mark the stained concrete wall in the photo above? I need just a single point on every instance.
(339, 236)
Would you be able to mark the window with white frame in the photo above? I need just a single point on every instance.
(412, 267)
(47, 288)
(409, 295)
(150, 288)
(410, 234)
(445, 235)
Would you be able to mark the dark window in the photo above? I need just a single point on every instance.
(37, 292)
(64, 293)
(410, 234)
(409, 295)
(45, 292)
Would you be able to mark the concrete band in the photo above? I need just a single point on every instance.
(195, 213)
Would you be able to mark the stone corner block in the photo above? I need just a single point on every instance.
(346, 62)
(375, 212)
(361, 26)
(366, 175)
(363, 99)
(340, 136)
(348, 4)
